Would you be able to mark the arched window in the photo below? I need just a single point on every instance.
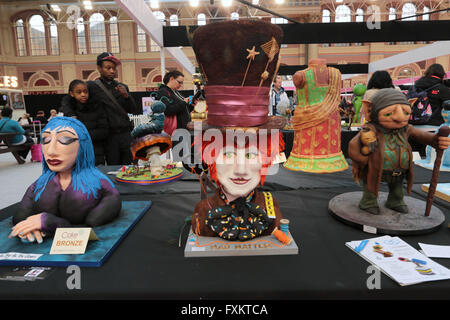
(174, 20)
(201, 19)
(154, 46)
(343, 14)
(392, 14)
(426, 16)
(81, 37)
(97, 33)
(54, 46)
(234, 16)
(160, 16)
(37, 36)
(326, 16)
(408, 10)
(141, 39)
(114, 35)
(406, 72)
(359, 15)
(20, 38)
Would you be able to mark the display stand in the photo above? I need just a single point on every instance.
(344, 207)
(199, 246)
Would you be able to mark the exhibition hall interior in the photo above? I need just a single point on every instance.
(148, 147)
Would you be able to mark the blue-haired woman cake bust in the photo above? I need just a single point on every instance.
(71, 191)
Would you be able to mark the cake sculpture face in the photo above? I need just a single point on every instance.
(71, 191)
(316, 121)
(149, 143)
(381, 152)
(238, 60)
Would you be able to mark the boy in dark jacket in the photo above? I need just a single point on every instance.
(91, 113)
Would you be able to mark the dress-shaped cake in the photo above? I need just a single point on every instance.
(316, 121)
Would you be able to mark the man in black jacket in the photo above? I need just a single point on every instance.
(118, 104)
(438, 93)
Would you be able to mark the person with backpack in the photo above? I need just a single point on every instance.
(118, 104)
(431, 86)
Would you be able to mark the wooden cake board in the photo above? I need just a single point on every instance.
(199, 246)
(344, 207)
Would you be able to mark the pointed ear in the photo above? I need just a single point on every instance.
(367, 108)
(412, 101)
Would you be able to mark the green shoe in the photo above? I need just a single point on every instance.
(372, 210)
(401, 208)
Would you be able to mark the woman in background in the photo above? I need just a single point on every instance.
(176, 104)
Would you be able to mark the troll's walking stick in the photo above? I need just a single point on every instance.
(443, 132)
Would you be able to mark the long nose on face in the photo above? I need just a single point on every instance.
(51, 148)
(398, 114)
(240, 167)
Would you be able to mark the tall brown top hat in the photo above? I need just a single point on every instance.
(239, 60)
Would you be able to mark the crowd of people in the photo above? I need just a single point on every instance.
(104, 105)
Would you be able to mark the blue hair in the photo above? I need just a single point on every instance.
(85, 175)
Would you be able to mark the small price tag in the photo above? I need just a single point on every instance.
(370, 229)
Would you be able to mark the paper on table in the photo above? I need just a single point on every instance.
(435, 251)
(398, 260)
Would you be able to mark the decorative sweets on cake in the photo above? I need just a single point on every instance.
(316, 121)
(71, 191)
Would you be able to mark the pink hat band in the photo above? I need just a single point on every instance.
(236, 106)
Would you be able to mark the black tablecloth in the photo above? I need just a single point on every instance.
(150, 264)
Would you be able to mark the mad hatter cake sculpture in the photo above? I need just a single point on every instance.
(316, 121)
(381, 152)
(238, 142)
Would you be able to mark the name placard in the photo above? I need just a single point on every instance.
(72, 240)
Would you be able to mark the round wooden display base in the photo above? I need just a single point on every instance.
(344, 207)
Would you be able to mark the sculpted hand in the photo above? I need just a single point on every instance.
(29, 228)
(33, 235)
(444, 142)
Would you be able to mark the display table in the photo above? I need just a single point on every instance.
(150, 264)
